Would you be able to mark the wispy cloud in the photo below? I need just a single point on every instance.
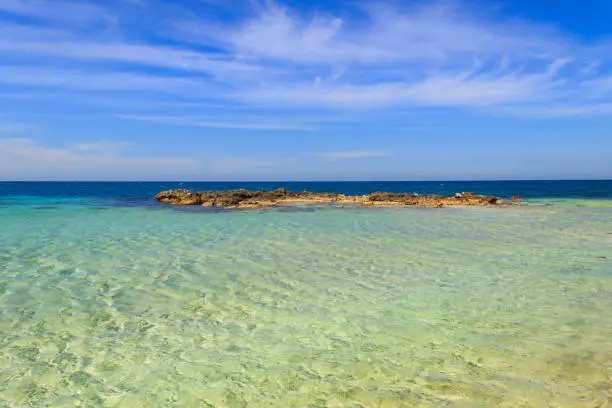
(437, 54)
(459, 90)
(558, 111)
(221, 66)
(348, 155)
(100, 146)
(373, 55)
(392, 34)
(280, 124)
(80, 79)
(26, 159)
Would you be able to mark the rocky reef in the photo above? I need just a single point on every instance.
(245, 199)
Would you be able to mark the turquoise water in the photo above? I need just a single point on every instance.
(131, 192)
(146, 306)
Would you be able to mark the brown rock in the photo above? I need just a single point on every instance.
(262, 199)
(179, 197)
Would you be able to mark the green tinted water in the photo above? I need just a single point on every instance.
(134, 307)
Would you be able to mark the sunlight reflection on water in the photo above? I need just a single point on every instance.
(130, 307)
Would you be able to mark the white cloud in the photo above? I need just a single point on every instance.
(269, 124)
(463, 89)
(98, 81)
(348, 155)
(25, 159)
(390, 34)
(437, 54)
(276, 34)
(158, 56)
(558, 111)
(440, 54)
(100, 146)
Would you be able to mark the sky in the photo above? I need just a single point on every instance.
(225, 90)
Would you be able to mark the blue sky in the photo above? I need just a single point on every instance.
(305, 90)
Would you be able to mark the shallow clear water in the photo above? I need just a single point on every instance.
(159, 307)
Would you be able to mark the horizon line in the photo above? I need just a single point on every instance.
(304, 181)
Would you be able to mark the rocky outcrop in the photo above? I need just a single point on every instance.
(261, 199)
(436, 201)
(179, 197)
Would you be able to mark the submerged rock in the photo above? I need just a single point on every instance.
(246, 199)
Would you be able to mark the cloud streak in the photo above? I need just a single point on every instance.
(433, 32)
(458, 90)
(377, 56)
(79, 79)
(146, 55)
(26, 159)
(281, 124)
(559, 111)
(351, 155)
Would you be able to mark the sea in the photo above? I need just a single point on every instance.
(109, 299)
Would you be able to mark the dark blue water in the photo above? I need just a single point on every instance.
(142, 193)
